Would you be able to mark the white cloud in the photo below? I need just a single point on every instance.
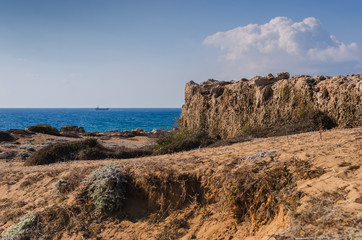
(283, 45)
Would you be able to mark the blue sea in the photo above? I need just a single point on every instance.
(91, 119)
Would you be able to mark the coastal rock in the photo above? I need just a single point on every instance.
(156, 131)
(71, 131)
(7, 155)
(6, 137)
(23, 155)
(19, 132)
(224, 109)
(138, 130)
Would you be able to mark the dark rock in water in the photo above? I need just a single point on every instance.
(6, 137)
(71, 131)
(43, 128)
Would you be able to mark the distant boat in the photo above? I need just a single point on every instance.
(101, 109)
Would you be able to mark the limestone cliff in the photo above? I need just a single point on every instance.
(224, 109)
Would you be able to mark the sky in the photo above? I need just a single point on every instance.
(133, 53)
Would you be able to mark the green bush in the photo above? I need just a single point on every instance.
(43, 128)
(182, 139)
(20, 230)
(107, 187)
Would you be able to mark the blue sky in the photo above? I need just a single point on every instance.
(84, 53)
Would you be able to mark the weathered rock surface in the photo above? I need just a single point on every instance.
(71, 131)
(226, 108)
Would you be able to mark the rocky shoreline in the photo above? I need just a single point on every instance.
(19, 144)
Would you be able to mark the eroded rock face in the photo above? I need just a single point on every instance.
(225, 108)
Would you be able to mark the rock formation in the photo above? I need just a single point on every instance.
(71, 131)
(225, 109)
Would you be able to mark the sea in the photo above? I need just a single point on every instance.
(90, 118)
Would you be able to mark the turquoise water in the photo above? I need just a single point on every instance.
(90, 119)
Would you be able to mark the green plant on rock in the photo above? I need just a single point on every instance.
(107, 187)
(182, 139)
(178, 135)
(21, 229)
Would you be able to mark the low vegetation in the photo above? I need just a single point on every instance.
(177, 140)
(182, 139)
(88, 149)
(305, 121)
(44, 128)
(106, 187)
(59, 152)
(22, 229)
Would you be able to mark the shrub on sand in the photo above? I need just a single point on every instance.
(182, 139)
(60, 152)
(20, 230)
(107, 187)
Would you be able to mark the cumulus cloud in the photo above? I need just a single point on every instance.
(284, 45)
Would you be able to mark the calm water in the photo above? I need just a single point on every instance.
(90, 119)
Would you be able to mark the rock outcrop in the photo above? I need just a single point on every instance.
(225, 109)
(6, 137)
(71, 131)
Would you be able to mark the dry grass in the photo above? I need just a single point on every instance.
(43, 128)
(322, 218)
(256, 193)
(88, 149)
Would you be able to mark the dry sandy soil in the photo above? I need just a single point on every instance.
(295, 187)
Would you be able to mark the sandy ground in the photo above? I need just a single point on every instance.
(338, 153)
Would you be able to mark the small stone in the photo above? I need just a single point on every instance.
(7, 155)
(23, 155)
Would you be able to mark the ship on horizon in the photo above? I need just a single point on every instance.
(101, 109)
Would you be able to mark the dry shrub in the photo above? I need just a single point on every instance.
(70, 182)
(60, 152)
(230, 141)
(304, 170)
(322, 218)
(258, 191)
(182, 139)
(44, 128)
(88, 149)
(124, 152)
(175, 229)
